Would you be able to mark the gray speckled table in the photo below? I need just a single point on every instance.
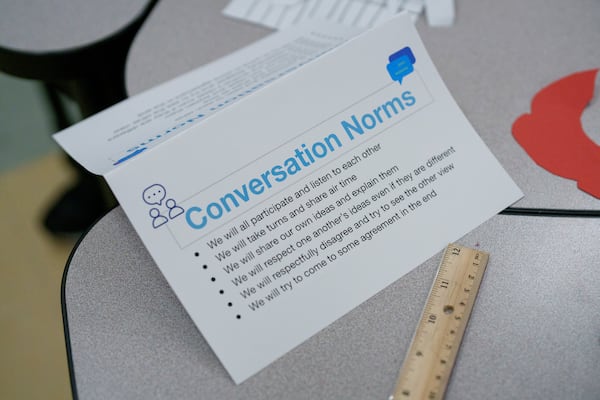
(44, 26)
(534, 332)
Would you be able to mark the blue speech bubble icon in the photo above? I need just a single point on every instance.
(401, 64)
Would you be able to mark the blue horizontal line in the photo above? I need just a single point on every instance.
(128, 156)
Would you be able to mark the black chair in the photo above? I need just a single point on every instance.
(92, 74)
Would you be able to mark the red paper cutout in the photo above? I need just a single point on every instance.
(553, 136)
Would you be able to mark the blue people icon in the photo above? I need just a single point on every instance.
(174, 209)
(157, 219)
(155, 195)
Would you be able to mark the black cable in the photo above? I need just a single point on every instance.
(550, 212)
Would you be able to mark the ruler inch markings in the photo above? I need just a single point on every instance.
(432, 353)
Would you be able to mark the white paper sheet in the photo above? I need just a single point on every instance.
(281, 14)
(440, 12)
(281, 213)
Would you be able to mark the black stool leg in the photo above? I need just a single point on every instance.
(88, 199)
(95, 81)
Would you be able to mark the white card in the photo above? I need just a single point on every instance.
(281, 213)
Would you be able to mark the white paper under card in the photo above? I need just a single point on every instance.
(281, 14)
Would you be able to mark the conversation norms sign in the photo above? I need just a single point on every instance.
(284, 211)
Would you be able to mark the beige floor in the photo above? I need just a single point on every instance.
(32, 346)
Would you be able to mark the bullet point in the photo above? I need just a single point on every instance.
(230, 304)
(205, 266)
(197, 254)
(213, 279)
(221, 291)
(238, 316)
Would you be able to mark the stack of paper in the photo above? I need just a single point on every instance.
(281, 14)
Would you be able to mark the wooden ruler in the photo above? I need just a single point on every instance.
(430, 358)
